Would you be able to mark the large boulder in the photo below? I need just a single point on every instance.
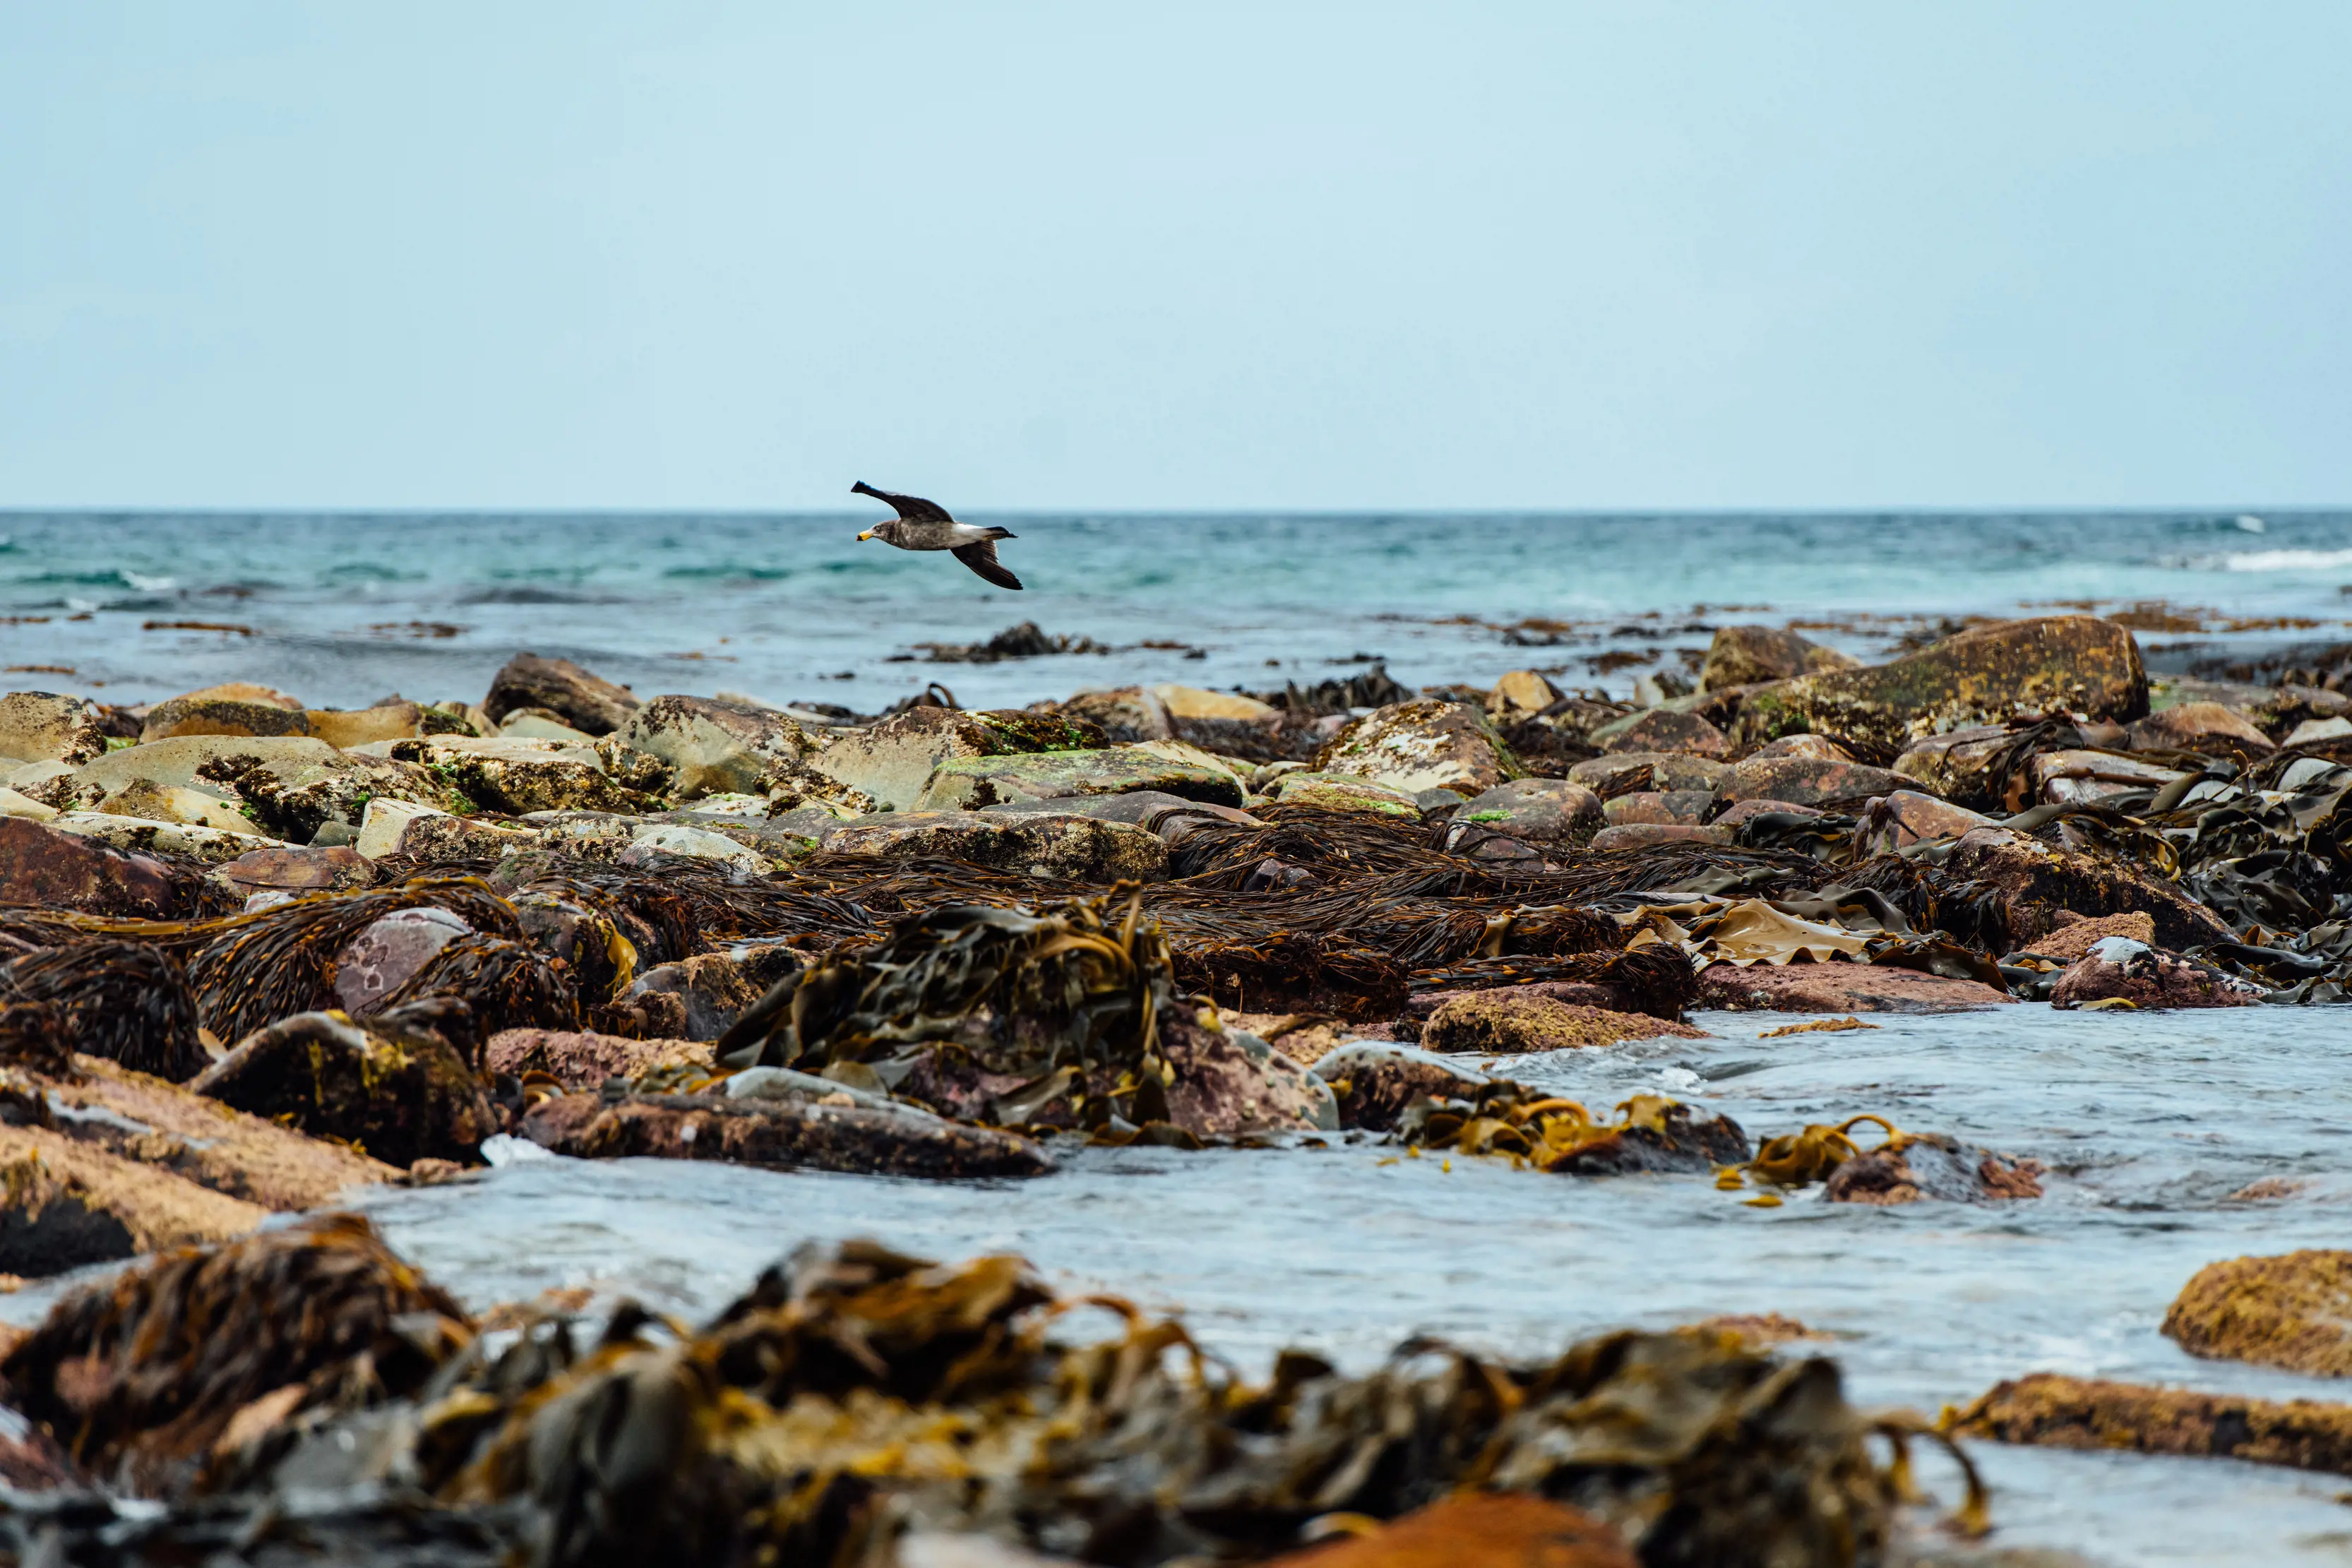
(1931, 1165)
(587, 703)
(1421, 745)
(517, 777)
(1807, 781)
(393, 1085)
(965, 784)
(1663, 729)
(1533, 810)
(1124, 715)
(210, 845)
(1902, 817)
(2039, 880)
(1750, 656)
(204, 762)
(892, 761)
(2061, 664)
(220, 715)
(1074, 847)
(179, 803)
(2293, 1310)
(42, 726)
(2118, 969)
(716, 747)
(1198, 703)
(1230, 1083)
(2200, 726)
(44, 868)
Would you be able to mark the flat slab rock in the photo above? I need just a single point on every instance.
(781, 1134)
(1840, 989)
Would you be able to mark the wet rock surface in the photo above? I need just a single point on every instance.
(394, 1084)
(2055, 1411)
(781, 1134)
(2294, 1312)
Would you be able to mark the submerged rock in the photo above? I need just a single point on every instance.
(1228, 1084)
(1421, 745)
(1930, 1165)
(2071, 664)
(2049, 1410)
(1373, 1082)
(782, 1134)
(2293, 1311)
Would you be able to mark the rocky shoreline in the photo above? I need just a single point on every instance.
(253, 954)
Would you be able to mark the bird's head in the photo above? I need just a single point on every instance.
(882, 531)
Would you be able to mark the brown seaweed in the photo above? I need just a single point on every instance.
(128, 1001)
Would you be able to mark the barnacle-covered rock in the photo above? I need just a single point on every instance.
(1806, 781)
(1341, 792)
(971, 783)
(2070, 663)
(164, 1371)
(1622, 772)
(1522, 1019)
(712, 989)
(1421, 745)
(44, 726)
(1069, 847)
(2290, 1311)
(1373, 1082)
(394, 1083)
(516, 776)
(583, 1060)
(714, 747)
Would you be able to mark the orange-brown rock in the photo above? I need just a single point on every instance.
(1641, 835)
(2293, 1311)
(1491, 1529)
(2071, 936)
(2205, 727)
(69, 1204)
(1906, 817)
(589, 704)
(1751, 655)
(44, 868)
(1663, 729)
(1507, 1020)
(220, 715)
(1807, 781)
(2055, 1412)
(1840, 989)
(1819, 747)
(1641, 807)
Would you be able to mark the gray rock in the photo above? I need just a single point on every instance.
(971, 783)
(1533, 810)
(381, 958)
(715, 748)
(1074, 847)
(1421, 745)
(586, 702)
(1668, 770)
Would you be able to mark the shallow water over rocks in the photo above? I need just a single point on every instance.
(2148, 1122)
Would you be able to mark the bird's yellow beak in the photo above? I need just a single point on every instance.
(863, 536)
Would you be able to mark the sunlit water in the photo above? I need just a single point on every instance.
(342, 609)
(2148, 1123)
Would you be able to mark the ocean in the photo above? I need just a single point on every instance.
(343, 609)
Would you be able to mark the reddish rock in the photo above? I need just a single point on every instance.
(583, 1060)
(1807, 781)
(1533, 812)
(1663, 729)
(1742, 810)
(1819, 747)
(1890, 822)
(1840, 989)
(711, 988)
(2073, 935)
(1657, 806)
(2119, 967)
(2207, 727)
(1664, 771)
(1513, 1529)
(42, 868)
(320, 869)
(587, 703)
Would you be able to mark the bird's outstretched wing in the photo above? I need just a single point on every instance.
(914, 508)
(982, 558)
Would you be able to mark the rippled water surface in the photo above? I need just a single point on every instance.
(341, 610)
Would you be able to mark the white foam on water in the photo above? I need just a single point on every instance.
(2286, 559)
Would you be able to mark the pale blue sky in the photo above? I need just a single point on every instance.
(1544, 255)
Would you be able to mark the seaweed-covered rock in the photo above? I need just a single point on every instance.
(1341, 792)
(2293, 1311)
(1070, 847)
(973, 782)
(153, 1375)
(393, 1084)
(1931, 1165)
(68, 1204)
(2117, 969)
(2052, 1411)
(715, 748)
(784, 1134)
(712, 989)
(1421, 745)
(44, 868)
(1841, 989)
(1987, 675)
(1522, 1019)
(1373, 1082)
(587, 703)
(127, 1001)
(1902, 817)
(2038, 879)
(1751, 655)
(2202, 727)
(42, 726)
(1663, 729)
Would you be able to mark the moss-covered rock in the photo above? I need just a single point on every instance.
(1337, 792)
(2072, 664)
(389, 1085)
(1751, 655)
(220, 715)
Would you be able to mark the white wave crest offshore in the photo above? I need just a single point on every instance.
(2286, 559)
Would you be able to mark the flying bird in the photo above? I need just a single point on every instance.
(925, 525)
